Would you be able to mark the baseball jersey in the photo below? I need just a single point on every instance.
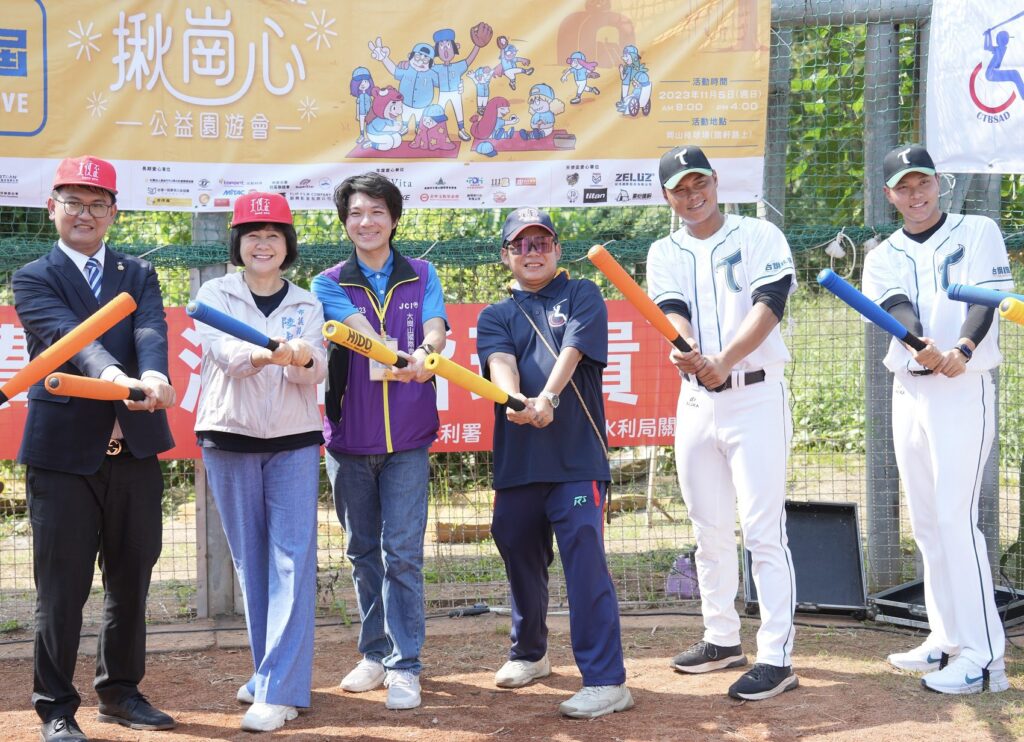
(542, 120)
(449, 76)
(416, 86)
(570, 313)
(967, 249)
(716, 278)
(363, 104)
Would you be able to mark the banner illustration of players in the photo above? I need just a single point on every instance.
(468, 106)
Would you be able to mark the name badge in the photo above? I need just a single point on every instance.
(378, 370)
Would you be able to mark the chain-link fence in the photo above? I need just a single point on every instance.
(845, 86)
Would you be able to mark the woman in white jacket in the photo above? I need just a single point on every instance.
(260, 432)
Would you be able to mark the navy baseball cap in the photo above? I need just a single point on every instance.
(680, 162)
(525, 217)
(909, 158)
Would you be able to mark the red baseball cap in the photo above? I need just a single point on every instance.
(86, 171)
(261, 207)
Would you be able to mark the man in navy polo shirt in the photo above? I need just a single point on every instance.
(547, 344)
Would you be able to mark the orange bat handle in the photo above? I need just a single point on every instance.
(61, 351)
(346, 337)
(473, 382)
(636, 296)
(69, 385)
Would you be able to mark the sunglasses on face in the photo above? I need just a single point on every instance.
(542, 244)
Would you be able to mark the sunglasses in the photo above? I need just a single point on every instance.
(542, 244)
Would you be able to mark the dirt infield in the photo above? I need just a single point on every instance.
(846, 692)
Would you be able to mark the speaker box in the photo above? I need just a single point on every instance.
(824, 539)
(903, 605)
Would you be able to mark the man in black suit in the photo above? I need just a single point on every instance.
(94, 482)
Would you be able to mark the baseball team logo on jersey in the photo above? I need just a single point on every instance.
(948, 262)
(556, 317)
(728, 267)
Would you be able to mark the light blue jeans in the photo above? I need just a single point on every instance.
(381, 501)
(267, 504)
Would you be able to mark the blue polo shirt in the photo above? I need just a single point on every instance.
(570, 313)
(338, 306)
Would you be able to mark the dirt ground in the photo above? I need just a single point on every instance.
(846, 691)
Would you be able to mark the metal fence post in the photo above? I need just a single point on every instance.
(218, 592)
(881, 132)
(773, 204)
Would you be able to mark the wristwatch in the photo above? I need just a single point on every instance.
(427, 347)
(966, 350)
(552, 398)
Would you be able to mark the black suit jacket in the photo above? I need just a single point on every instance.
(52, 297)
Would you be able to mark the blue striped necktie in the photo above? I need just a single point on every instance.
(94, 274)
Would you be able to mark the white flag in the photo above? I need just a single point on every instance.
(975, 103)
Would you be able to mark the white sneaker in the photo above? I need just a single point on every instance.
(403, 690)
(517, 673)
(963, 676)
(266, 717)
(593, 701)
(367, 675)
(920, 659)
(244, 695)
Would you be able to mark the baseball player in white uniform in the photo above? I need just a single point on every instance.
(723, 281)
(943, 420)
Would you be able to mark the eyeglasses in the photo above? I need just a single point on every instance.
(543, 244)
(76, 208)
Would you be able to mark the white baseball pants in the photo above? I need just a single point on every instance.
(732, 448)
(943, 430)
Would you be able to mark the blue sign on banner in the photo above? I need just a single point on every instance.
(13, 52)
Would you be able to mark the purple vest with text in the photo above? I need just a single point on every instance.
(380, 417)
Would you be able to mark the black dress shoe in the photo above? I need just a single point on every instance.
(62, 729)
(135, 713)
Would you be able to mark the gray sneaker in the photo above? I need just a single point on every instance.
(593, 701)
(517, 673)
(705, 657)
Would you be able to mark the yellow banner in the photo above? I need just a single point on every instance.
(180, 92)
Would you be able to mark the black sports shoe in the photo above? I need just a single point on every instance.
(705, 657)
(763, 681)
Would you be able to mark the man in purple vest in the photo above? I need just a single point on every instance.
(378, 433)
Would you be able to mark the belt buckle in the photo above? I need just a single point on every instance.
(115, 446)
